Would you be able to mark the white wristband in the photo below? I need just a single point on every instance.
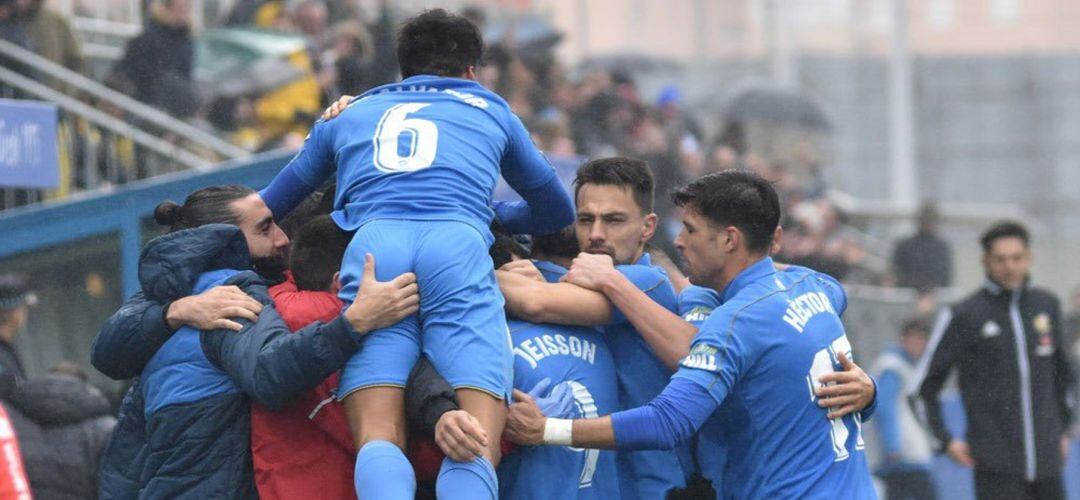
(558, 431)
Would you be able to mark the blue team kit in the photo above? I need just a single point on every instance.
(759, 353)
(416, 164)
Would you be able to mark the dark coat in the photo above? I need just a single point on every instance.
(1014, 378)
(184, 429)
(62, 424)
(158, 65)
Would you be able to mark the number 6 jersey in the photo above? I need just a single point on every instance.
(426, 148)
(759, 355)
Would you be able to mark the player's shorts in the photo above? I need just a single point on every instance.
(461, 326)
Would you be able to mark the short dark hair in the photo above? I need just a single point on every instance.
(436, 42)
(505, 247)
(209, 205)
(316, 253)
(735, 198)
(915, 325)
(1004, 229)
(562, 244)
(622, 172)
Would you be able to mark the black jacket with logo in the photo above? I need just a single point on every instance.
(1016, 404)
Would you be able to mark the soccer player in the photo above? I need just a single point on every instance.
(416, 163)
(614, 198)
(758, 358)
(572, 358)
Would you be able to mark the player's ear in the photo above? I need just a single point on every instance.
(778, 236)
(651, 221)
(335, 284)
(470, 73)
(734, 238)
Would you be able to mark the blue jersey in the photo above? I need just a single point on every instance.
(696, 303)
(578, 356)
(426, 148)
(759, 355)
(644, 474)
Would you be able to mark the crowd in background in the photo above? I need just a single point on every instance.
(588, 111)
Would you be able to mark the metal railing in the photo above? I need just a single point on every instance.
(105, 138)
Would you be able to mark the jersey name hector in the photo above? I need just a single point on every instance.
(806, 306)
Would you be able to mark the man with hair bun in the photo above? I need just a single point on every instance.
(184, 428)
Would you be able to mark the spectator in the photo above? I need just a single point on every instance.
(63, 424)
(15, 301)
(11, 27)
(353, 53)
(906, 445)
(924, 260)
(51, 35)
(157, 65)
(1006, 342)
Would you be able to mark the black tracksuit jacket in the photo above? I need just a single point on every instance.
(1014, 379)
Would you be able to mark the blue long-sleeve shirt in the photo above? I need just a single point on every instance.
(757, 358)
(426, 148)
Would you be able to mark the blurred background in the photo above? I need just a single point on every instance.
(895, 130)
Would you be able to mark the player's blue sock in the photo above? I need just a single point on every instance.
(383, 472)
(466, 480)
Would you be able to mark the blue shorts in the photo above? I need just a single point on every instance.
(461, 326)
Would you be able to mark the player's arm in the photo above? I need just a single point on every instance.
(557, 303)
(668, 334)
(934, 368)
(134, 333)
(303, 175)
(547, 206)
(671, 418)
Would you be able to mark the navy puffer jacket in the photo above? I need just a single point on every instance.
(184, 429)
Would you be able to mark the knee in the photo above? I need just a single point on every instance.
(379, 431)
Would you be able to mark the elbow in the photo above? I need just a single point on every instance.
(108, 364)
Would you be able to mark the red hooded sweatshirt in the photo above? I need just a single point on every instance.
(306, 449)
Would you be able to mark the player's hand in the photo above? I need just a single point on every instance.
(591, 271)
(845, 392)
(212, 309)
(460, 436)
(380, 304)
(524, 422)
(524, 267)
(559, 403)
(961, 453)
(337, 107)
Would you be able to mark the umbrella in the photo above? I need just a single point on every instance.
(230, 62)
(774, 103)
(528, 34)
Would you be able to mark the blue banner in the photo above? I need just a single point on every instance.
(28, 148)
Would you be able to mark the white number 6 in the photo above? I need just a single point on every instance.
(423, 136)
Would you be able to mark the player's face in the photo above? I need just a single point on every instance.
(610, 222)
(264, 238)
(700, 245)
(1008, 262)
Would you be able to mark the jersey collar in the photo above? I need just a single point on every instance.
(756, 271)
